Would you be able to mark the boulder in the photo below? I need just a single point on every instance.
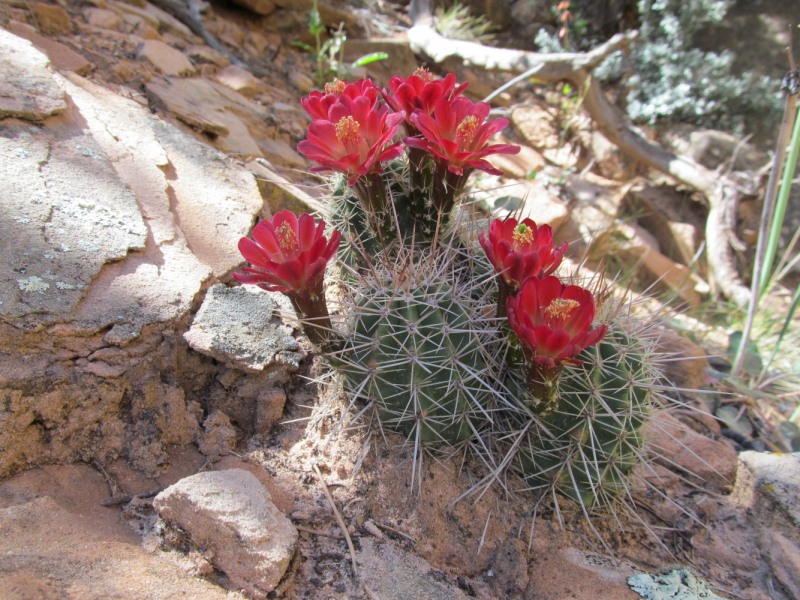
(231, 514)
(165, 58)
(51, 20)
(113, 223)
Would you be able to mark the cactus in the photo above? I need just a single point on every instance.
(586, 448)
(415, 348)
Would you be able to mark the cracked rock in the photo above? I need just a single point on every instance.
(232, 514)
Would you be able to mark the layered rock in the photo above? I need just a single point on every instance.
(113, 224)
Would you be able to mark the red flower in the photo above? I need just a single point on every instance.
(318, 105)
(288, 255)
(353, 136)
(520, 250)
(553, 321)
(457, 135)
(421, 92)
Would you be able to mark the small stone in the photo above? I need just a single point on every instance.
(241, 80)
(784, 557)
(165, 58)
(233, 513)
(269, 409)
(205, 54)
(52, 20)
(105, 19)
(152, 34)
(301, 81)
(219, 435)
(777, 476)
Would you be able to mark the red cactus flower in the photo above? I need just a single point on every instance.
(553, 321)
(353, 137)
(420, 91)
(457, 135)
(318, 104)
(288, 254)
(521, 250)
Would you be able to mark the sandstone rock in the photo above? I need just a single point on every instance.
(301, 81)
(516, 165)
(329, 15)
(261, 7)
(236, 123)
(571, 573)
(219, 436)
(776, 476)
(688, 370)
(61, 57)
(143, 12)
(282, 154)
(165, 58)
(50, 552)
(784, 558)
(390, 573)
(52, 20)
(674, 445)
(106, 19)
(280, 497)
(27, 88)
(134, 208)
(233, 514)
(241, 80)
(280, 194)
(205, 54)
(234, 325)
(527, 199)
(400, 61)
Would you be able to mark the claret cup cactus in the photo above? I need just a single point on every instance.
(444, 338)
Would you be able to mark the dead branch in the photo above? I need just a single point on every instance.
(576, 68)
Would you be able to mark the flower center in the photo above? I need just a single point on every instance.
(423, 74)
(347, 130)
(467, 128)
(522, 235)
(560, 308)
(287, 239)
(335, 87)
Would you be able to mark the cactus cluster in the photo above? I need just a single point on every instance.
(449, 340)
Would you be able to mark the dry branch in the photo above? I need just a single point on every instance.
(576, 68)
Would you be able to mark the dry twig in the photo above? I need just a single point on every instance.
(339, 519)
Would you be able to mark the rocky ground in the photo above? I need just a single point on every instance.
(135, 158)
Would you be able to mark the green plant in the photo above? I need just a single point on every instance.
(458, 23)
(329, 54)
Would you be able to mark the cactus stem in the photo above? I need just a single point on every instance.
(542, 385)
(312, 310)
(371, 192)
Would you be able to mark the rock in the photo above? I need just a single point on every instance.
(711, 148)
(241, 80)
(219, 436)
(527, 199)
(27, 88)
(784, 558)
(329, 15)
(509, 568)
(103, 18)
(401, 60)
(570, 573)
(234, 325)
(688, 371)
(52, 20)
(776, 476)
(260, 7)
(390, 573)
(165, 58)
(206, 55)
(61, 57)
(231, 513)
(673, 445)
(535, 125)
(519, 165)
(56, 549)
(236, 124)
(280, 194)
(116, 260)
(280, 497)
(301, 81)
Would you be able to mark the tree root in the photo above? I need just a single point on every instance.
(576, 68)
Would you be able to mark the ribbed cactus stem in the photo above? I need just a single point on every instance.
(371, 192)
(312, 310)
(542, 383)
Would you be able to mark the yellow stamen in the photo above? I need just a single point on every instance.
(347, 130)
(423, 74)
(560, 308)
(522, 235)
(335, 87)
(467, 128)
(287, 239)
